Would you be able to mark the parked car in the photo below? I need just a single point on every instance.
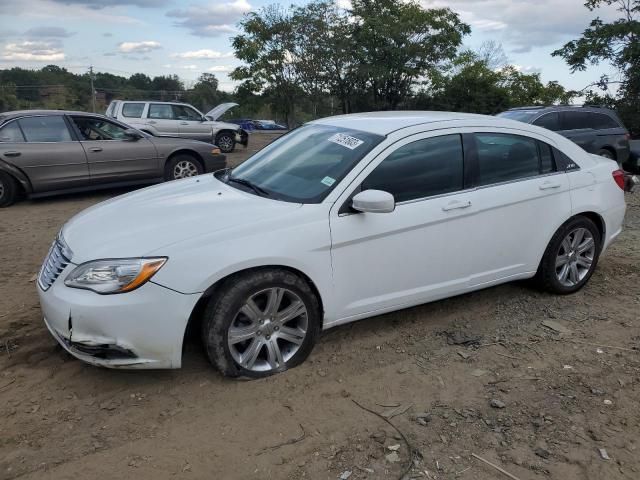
(45, 152)
(248, 124)
(633, 165)
(172, 119)
(598, 130)
(343, 218)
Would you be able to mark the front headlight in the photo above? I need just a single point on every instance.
(114, 276)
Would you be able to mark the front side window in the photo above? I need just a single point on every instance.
(182, 112)
(304, 165)
(98, 129)
(424, 168)
(132, 110)
(11, 133)
(45, 129)
(550, 121)
(504, 157)
(160, 112)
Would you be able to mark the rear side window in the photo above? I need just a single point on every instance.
(160, 111)
(424, 168)
(132, 110)
(11, 133)
(45, 129)
(576, 120)
(547, 164)
(504, 157)
(550, 121)
(601, 121)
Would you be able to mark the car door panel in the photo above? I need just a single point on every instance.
(160, 117)
(414, 254)
(191, 124)
(111, 155)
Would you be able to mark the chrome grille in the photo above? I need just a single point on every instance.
(57, 260)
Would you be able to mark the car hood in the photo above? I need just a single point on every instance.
(159, 217)
(217, 112)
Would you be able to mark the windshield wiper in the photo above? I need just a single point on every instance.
(248, 183)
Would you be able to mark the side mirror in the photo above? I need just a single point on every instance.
(132, 134)
(374, 201)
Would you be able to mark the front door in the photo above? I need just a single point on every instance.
(419, 252)
(43, 148)
(112, 155)
(191, 123)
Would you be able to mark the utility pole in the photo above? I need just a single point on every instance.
(93, 92)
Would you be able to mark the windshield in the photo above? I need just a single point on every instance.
(520, 115)
(304, 165)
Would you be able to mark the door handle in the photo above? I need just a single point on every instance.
(455, 205)
(96, 149)
(151, 122)
(12, 154)
(184, 123)
(549, 185)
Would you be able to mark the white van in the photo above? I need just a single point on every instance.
(174, 119)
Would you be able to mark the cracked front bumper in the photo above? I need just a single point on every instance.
(139, 329)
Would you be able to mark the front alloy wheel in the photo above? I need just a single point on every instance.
(184, 169)
(261, 322)
(226, 142)
(268, 330)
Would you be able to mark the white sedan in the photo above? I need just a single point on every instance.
(344, 218)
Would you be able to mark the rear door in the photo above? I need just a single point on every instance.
(112, 156)
(578, 127)
(191, 123)
(160, 116)
(520, 200)
(43, 147)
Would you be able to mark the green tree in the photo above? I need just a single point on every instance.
(618, 44)
(205, 94)
(398, 43)
(266, 47)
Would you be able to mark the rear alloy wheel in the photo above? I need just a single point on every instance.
(263, 323)
(182, 166)
(226, 142)
(8, 190)
(571, 257)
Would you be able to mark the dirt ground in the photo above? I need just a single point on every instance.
(477, 374)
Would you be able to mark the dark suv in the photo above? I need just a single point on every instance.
(598, 130)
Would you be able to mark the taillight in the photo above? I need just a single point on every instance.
(618, 176)
(627, 136)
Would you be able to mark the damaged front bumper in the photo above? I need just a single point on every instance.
(139, 329)
(242, 137)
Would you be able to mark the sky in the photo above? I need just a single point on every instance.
(187, 38)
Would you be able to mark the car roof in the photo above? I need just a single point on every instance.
(564, 108)
(26, 113)
(383, 123)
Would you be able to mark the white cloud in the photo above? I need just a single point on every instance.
(220, 68)
(33, 52)
(212, 20)
(138, 47)
(525, 24)
(48, 32)
(181, 67)
(202, 54)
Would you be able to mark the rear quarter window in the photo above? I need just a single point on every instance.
(601, 121)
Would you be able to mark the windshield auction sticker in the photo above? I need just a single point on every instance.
(346, 141)
(328, 181)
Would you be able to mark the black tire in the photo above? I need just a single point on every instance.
(9, 190)
(225, 305)
(606, 154)
(547, 276)
(182, 162)
(226, 142)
